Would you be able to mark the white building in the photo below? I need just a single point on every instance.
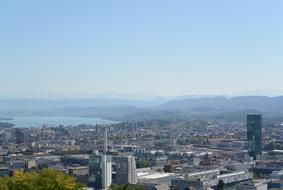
(106, 171)
(106, 165)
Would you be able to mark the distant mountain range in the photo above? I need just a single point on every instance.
(86, 102)
(161, 108)
(260, 103)
(232, 108)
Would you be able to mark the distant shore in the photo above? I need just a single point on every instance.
(36, 121)
(6, 125)
(6, 119)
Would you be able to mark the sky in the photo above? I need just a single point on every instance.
(140, 48)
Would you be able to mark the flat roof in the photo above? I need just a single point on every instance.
(155, 175)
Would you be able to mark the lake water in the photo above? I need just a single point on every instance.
(55, 121)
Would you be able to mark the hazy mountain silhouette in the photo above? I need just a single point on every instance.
(177, 109)
(272, 105)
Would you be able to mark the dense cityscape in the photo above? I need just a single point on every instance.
(197, 155)
(141, 95)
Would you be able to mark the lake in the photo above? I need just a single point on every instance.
(55, 121)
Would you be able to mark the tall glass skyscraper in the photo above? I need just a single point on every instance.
(95, 171)
(254, 135)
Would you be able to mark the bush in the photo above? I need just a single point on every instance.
(47, 179)
(142, 163)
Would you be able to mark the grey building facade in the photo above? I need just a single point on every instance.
(126, 170)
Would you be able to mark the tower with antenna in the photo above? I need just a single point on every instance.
(105, 141)
(100, 167)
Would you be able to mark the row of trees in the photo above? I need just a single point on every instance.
(193, 140)
(274, 146)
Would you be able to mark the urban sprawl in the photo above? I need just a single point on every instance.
(151, 155)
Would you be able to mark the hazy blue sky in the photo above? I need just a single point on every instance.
(142, 47)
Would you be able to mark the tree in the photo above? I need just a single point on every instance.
(119, 187)
(168, 168)
(3, 184)
(125, 187)
(142, 163)
(220, 185)
(50, 179)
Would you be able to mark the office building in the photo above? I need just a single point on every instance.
(251, 185)
(106, 171)
(254, 135)
(126, 170)
(100, 168)
(106, 165)
(95, 171)
(184, 184)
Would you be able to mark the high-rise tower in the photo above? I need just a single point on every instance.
(95, 170)
(105, 149)
(100, 168)
(126, 170)
(254, 135)
(106, 165)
